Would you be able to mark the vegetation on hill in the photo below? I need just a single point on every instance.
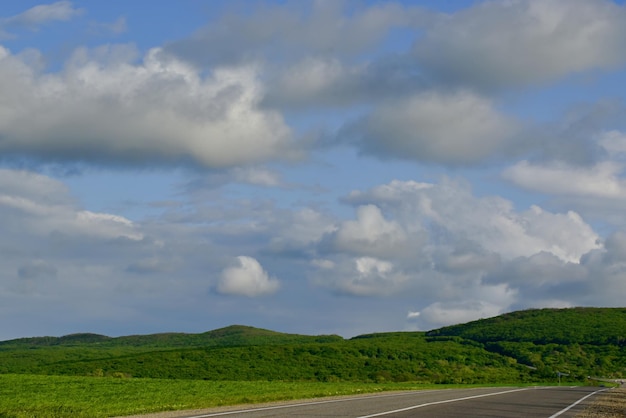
(596, 326)
(223, 337)
(578, 341)
(523, 346)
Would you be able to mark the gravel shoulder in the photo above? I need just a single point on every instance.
(609, 404)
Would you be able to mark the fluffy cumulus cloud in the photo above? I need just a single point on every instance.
(298, 232)
(360, 276)
(370, 234)
(449, 128)
(540, 277)
(441, 314)
(449, 209)
(247, 278)
(448, 265)
(545, 280)
(497, 44)
(106, 108)
(477, 256)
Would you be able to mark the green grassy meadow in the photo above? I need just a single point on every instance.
(23, 396)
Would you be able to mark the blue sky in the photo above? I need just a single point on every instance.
(312, 167)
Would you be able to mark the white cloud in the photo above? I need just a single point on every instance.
(412, 315)
(362, 276)
(458, 270)
(298, 231)
(601, 180)
(105, 109)
(474, 301)
(538, 276)
(417, 86)
(247, 279)
(39, 205)
(464, 257)
(457, 129)
(393, 192)
(450, 215)
(543, 280)
(475, 256)
(594, 186)
(520, 42)
(441, 314)
(370, 234)
(566, 235)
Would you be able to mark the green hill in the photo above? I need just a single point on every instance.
(597, 326)
(223, 337)
(579, 341)
(525, 346)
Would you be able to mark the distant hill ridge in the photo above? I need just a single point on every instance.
(549, 325)
(523, 346)
(229, 336)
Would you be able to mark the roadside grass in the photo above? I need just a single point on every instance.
(24, 396)
(28, 396)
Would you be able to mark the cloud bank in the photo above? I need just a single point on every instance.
(320, 167)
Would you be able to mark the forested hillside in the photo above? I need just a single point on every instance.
(523, 346)
(597, 326)
(579, 341)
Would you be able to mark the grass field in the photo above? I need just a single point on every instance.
(32, 396)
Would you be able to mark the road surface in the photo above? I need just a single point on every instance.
(545, 402)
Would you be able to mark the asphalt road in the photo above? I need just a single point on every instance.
(545, 402)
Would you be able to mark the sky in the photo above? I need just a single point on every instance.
(313, 167)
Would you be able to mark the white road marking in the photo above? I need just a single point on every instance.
(266, 408)
(380, 414)
(269, 408)
(576, 403)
